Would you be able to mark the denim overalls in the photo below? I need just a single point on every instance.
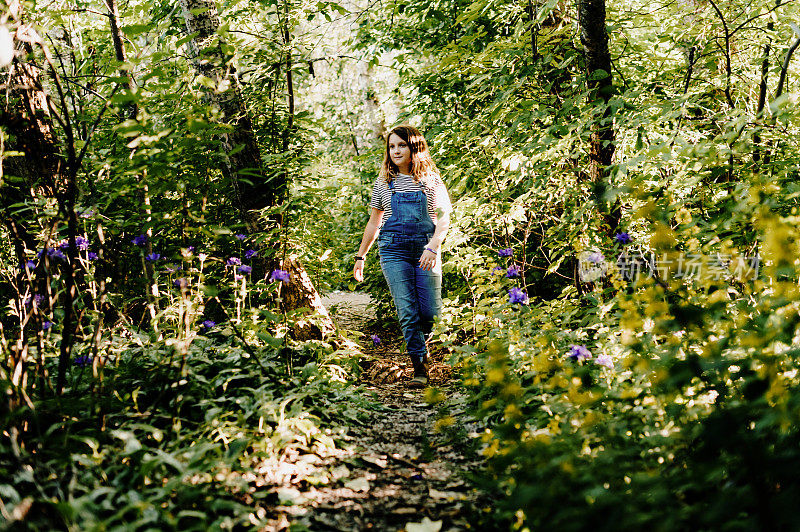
(417, 293)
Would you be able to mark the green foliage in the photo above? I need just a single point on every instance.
(693, 425)
(685, 414)
(185, 385)
(171, 444)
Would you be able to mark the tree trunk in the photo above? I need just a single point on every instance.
(300, 293)
(40, 171)
(592, 15)
(26, 118)
(132, 107)
(244, 168)
(533, 14)
(248, 178)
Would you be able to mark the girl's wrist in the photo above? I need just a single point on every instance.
(428, 248)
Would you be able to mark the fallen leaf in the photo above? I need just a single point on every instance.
(446, 495)
(374, 460)
(357, 484)
(290, 496)
(426, 525)
(340, 472)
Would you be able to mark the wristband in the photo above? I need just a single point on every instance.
(429, 249)
(359, 258)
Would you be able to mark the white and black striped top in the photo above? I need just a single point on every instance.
(438, 199)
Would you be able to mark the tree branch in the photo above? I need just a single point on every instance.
(785, 68)
(728, 69)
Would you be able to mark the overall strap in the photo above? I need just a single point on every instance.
(391, 186)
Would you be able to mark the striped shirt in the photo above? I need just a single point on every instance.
(438, 199)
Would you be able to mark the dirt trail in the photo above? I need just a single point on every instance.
(397, 471)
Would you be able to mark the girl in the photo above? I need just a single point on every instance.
(411, 210)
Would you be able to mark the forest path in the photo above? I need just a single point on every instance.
(396, 471)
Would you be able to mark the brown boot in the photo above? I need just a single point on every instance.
(420, 379)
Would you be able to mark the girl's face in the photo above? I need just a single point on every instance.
(400, 152)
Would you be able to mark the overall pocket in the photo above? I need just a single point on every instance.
(411, 208)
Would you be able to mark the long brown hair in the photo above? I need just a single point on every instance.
(422, 166)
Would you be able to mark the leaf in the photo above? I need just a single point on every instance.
(290, 496)
(237, 447)
(446, 495)
(9, 493)
(210, 291)
(341, 471)
(129, 439)
(134, 29)
(374, 460)
(426, 525)
(357, 484)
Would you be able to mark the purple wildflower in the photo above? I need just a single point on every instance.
(38, 299)
(279, 275)
(152, 257)
(623, 238)
(244, 268)
(181, 282)
(250, 253)
(512, 272)
(80, 242)
(55, 253)
(30, 265)
(496, 269)
(46, 324)
(91, 255)
(376, 340)
(234, 261)
(52, 253)
(604, 360)
(241, 236)
(208, 324)
(579, 352)
(82, 361)
(87, 213)
(516, 295)
(172, 268)
(140, 240)
(507, 252)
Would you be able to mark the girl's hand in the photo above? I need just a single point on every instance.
(428, 260)
(358, 270)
